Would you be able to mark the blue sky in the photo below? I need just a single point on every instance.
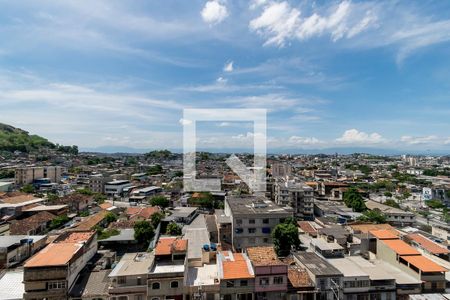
(330, 73)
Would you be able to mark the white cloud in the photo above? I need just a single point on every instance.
(224, 124)
(228, 67)
(214, 12)
(185, 122)
(279, 23)
(298, 140)
(221, 80)
(353, 136)
(417, 140)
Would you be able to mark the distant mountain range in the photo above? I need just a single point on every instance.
(339, 150)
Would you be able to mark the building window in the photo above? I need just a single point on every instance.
(239, 230)
(265, 240)
(56, 285)
(239, 221)
(174, 284)
(265, 221)
(139, 281)
(230, 283)
(252, 230)
(244, 283)
(278, 280)
(251, 221)
(264, 281)
(156, 286)
(265, 230)
(122, 280)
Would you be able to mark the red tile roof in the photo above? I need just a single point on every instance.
(236, 268)
(400, 247)
(141, 212)
(261, 256)
(167, 246)
(427, 244)
(385, 234)
(424, 264)
(58, 254)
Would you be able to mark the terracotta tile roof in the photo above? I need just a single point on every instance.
(141, 212)
(365, 228)
(167, 246)
(76, 237)
(236, 268)
(427, 244)
(105, 205)
(263, 256)
(18, 198)
(122, 224)
(89, 222)
(400, 247)
(385, 234)
(424, 264)
(24, 226)
(56, 254)
(298, 277)
(307, 227)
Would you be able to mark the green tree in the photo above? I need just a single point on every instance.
(85, 191)
(354, 200)
(392, 203)
(285, 236)
(59, 221)
(51, 197)
(388, 194)
(160, 201)
(203, 199)
(99, 198)
(434, 203)
(374, 216)
(111, 217)
(154, 170)
(143, 232)
(28, 188)
(173, 229)
(156, 218)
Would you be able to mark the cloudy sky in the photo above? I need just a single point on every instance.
(330, 73)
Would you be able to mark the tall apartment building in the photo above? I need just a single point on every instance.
(27, 175)
(252, 220)
(295, 194)
(281, 170)
(51, 273)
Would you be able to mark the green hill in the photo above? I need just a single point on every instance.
(15, 139)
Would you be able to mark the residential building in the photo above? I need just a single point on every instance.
(27, 175)
(253, 219)
(167, 275)
(270, 273)
(300, 285)
(128, 279)
(34, 225)
(426, 245)
(295, 194)
(16, 248)
(327, 279)
(97, 183)
(281, 170)
(51, 273)
(394, 216)
(236, 276)
(115, 188)
(364, 280)
(406, 258)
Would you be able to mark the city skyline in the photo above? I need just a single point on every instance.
(341, 74)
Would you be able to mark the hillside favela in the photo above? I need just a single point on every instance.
(224, 150)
